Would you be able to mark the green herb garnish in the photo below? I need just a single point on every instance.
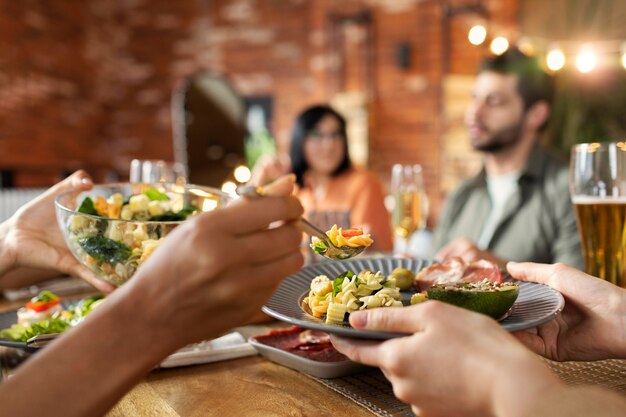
(337, 282)
(156, 195)
(319, 247)
(104, 249)
(88, 207)
(170, 216)
(44, 296)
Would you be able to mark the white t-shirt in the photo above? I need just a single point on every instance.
(501, 188)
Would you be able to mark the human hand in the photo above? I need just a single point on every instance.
(33, 239)
(467, 250)
(270, 167)
(591, 326)
(456, 362)
(216, 270)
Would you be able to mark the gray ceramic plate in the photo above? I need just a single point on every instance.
(535, 305)
(308, 366)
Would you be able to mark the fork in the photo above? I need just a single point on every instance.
(332, 251)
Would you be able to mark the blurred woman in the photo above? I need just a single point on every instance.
(330, 188)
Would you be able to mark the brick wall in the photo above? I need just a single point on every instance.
(87, 83)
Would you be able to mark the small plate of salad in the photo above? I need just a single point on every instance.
(44, 314)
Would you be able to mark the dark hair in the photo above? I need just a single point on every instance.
(305, 123)
(533, 84)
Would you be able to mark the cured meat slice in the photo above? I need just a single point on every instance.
(456, 270)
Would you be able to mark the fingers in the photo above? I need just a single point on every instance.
(79, 180)
(270, 273)
(367, 352)
(530, 271)
(270, 244)
(283, 186)
(256, 214)
(458, 247)
(399, 320)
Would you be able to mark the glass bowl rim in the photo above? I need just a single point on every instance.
(187, 187)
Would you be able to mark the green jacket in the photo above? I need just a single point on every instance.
(538, 223)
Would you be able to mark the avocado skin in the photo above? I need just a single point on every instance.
(492, 303)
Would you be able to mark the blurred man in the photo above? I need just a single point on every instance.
(518, 207)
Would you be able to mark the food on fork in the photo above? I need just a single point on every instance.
(352, 238)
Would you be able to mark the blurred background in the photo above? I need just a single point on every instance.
(214, 84)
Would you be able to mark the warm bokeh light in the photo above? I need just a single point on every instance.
(242, 173)
(526, 46)
(477, 34)
(586, 60)
(555, 59)
(624, 59)
(499, 45)
(229, 187)
(209, 205)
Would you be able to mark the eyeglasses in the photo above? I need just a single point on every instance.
(316, 135)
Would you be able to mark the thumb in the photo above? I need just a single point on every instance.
(397, 320)
(283, 186)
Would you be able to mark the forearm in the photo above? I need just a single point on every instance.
(581, 401)
(90, 368)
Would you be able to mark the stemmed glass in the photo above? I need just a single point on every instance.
(155, 171)
(598, 190)
(410, 209)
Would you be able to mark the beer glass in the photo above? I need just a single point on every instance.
(154, 171)
(410, 209)
(598, 190)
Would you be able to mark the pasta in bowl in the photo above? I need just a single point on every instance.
(114, 228)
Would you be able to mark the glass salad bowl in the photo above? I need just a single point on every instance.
(114, 228)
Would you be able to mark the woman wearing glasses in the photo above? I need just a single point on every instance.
(330, 188)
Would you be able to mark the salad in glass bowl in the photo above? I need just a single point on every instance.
(114, 228)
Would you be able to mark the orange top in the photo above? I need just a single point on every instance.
(358, 195)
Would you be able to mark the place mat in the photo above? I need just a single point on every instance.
(370, 388)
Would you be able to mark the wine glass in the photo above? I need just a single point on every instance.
(150, 171)
(410, 209)
(598, 190)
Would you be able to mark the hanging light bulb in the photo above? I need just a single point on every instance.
(555, 59)
(477, 34)
(586, 59)
(499, 45)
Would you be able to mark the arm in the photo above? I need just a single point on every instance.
(473, 366)
(591, 326)
(157, 311)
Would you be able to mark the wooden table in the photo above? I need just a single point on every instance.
(251, 386)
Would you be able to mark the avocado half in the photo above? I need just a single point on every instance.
(492, 299)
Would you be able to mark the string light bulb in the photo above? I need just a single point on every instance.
(586, 59)
(499, 45)
(477, 34)
(555, 59)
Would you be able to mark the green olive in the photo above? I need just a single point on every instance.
(404, 278)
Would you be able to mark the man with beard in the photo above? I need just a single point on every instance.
(518, 207)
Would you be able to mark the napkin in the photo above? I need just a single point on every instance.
(230, 346)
